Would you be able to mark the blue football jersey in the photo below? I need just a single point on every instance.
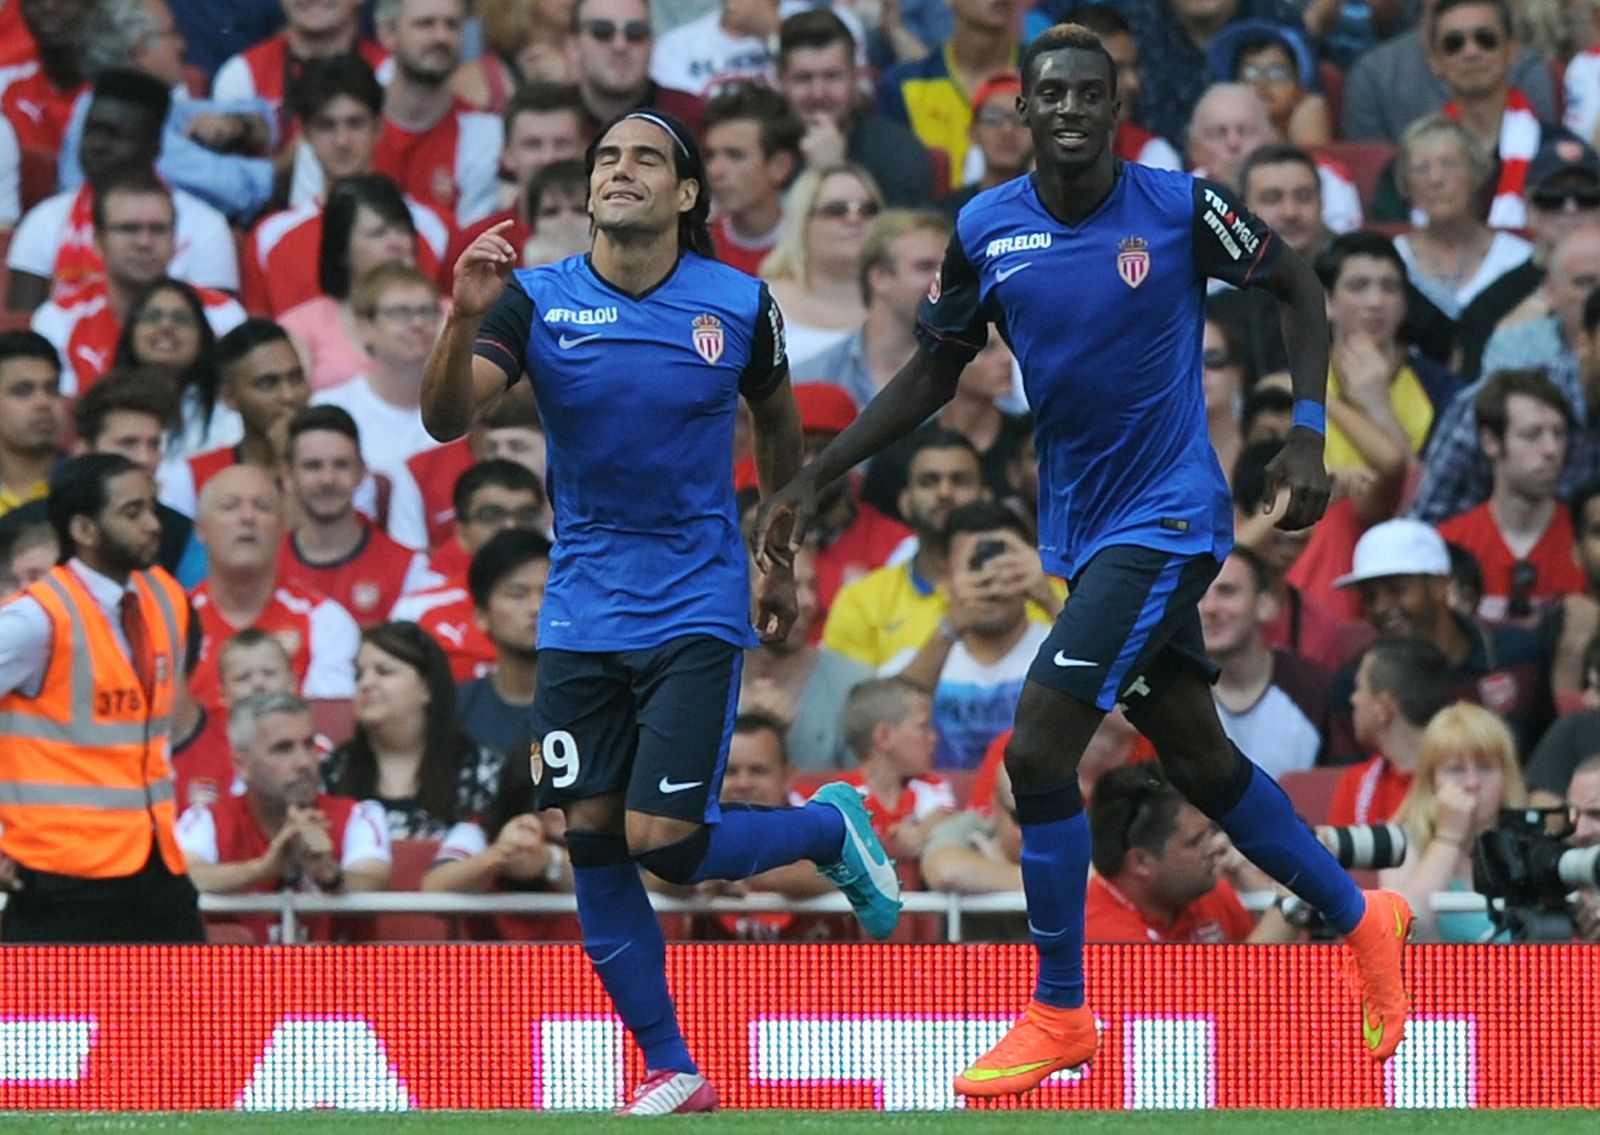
(1106, 319)
(638, 397)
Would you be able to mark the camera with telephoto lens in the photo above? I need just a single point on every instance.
(1359, 847)
(1527, 864)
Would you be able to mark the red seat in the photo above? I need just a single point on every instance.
(1332, 81)
(37, 175)
(334, 718)
(412, 858)
(1311, 791)
(1363, 161)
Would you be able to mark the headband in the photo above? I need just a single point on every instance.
(656, 119)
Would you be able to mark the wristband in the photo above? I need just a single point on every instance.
(1311, 414)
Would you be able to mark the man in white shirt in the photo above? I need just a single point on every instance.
(725, 46)
(397, 316)
(1272, 704)
(976, 662)
(121, 134)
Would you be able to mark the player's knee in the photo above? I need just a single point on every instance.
(1030, 762)
(678, 861)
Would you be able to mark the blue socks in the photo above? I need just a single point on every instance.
(623, 939)
(1262, 824)
(749, 840)
(1055, 878)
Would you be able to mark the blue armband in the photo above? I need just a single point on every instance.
(1311, 415)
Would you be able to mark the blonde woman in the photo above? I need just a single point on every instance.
(1466, 773)
(814, 270)
(1452, 256)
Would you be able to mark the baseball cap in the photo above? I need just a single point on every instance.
(1562, 155)
(1000, 83)
(824, 407)
(1397, 547)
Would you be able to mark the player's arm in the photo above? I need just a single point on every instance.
(459, 381)
(951, 329)
(1234, 245)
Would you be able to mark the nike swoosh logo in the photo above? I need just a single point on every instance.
(1371, 1031)
(1063, 661)
(668, 788)
(1003, 274)
(984, 1074)
(566, 343)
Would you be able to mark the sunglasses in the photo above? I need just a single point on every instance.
(1582, 197)
(1454, 43)
(1255, 73)
(634, 31)
(839, 210)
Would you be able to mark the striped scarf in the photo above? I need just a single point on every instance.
(1519, 141)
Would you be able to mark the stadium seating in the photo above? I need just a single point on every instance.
(1364, 161)
(38, 176)
(1311, 791)
(412, 858)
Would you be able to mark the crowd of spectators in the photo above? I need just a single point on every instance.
(228, 250)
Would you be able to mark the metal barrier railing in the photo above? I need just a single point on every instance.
(290, 906)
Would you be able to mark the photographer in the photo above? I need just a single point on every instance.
(1583, 805)
(1466, 773)
(974, 665)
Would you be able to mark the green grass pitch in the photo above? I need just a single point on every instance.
(824, 1123)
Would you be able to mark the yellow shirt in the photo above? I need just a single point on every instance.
(10, 500)
(882, 619)
(1410, 405)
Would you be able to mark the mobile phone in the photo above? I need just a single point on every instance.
(986, 551)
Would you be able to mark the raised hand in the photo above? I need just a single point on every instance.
(482, 271)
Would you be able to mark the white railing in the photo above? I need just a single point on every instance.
(290, 906)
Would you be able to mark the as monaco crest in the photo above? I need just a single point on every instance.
(708, 337)
(1133, 262)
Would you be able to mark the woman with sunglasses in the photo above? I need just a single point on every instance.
(1452, 256)
(814, 270)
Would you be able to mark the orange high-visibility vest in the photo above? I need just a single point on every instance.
(84, 779)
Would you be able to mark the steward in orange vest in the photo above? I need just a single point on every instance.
(89, 656)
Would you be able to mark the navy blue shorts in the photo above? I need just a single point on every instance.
(652, 725)
(1128, 608)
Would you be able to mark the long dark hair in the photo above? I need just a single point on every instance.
(445, 748)
(201, 374)
(345, 200)
(694, 228)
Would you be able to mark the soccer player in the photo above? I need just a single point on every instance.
(638, 354)
(1095, 271)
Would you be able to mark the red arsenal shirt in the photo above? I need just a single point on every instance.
(366, 583)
